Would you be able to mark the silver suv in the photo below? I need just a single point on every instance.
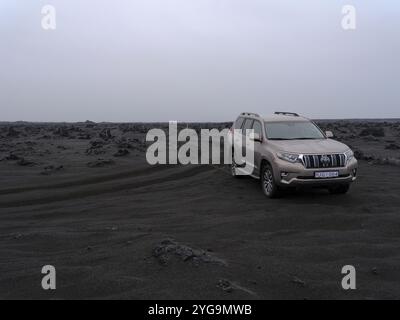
(292, 151)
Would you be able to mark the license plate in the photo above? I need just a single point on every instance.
(326, 174)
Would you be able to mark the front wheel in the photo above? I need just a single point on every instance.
(268, 183)
(340, 189)
(234, 167)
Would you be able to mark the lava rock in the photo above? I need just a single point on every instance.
(121, 153)
(168, 248)
(51, 169)
(12, 132)
(105, 134)
(392, 146)
(375, 132)
(26, 163)
(95, 147)
(225, 285)
(12, 157)
(299, 282)
(100, 163)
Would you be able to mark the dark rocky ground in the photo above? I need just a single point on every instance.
(82, 198)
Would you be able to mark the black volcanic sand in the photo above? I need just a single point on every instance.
(81, 197)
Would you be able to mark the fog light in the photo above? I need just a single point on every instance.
(354, 172)
(284, 174)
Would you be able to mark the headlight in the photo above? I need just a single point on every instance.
(290, 157)
(349, 155)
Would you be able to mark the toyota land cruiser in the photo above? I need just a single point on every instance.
(292, 151)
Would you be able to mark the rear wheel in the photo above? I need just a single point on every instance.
(268, 183)
(340, 189)
(234, 167)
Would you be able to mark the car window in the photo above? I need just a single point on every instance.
(257, 128)
(247, 125)
(238, 123)
(292, 130)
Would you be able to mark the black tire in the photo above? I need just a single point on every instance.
(340, 189)
(268, 183)
(233, 168)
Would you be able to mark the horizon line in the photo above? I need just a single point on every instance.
(92, 121)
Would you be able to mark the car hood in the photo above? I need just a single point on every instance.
(309, 146)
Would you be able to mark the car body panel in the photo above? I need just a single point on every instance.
(319, 146)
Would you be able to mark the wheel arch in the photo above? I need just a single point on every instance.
(264, 161)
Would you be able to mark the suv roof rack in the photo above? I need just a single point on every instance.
(249, 114)
(287, 113)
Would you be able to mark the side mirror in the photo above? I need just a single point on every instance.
(255, 137)
(329, 134)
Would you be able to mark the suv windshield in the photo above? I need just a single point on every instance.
(292, 130)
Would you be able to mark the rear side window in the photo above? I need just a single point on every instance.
(238, 123)
(248, 124)
(257, 127)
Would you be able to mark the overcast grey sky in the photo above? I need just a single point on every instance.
(198, 60)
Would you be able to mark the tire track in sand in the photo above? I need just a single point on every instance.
(95, 187)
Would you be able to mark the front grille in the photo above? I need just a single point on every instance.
(324, 161)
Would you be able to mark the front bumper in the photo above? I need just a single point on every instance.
(295, 174)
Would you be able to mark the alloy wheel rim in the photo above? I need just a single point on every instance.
(268, 182)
